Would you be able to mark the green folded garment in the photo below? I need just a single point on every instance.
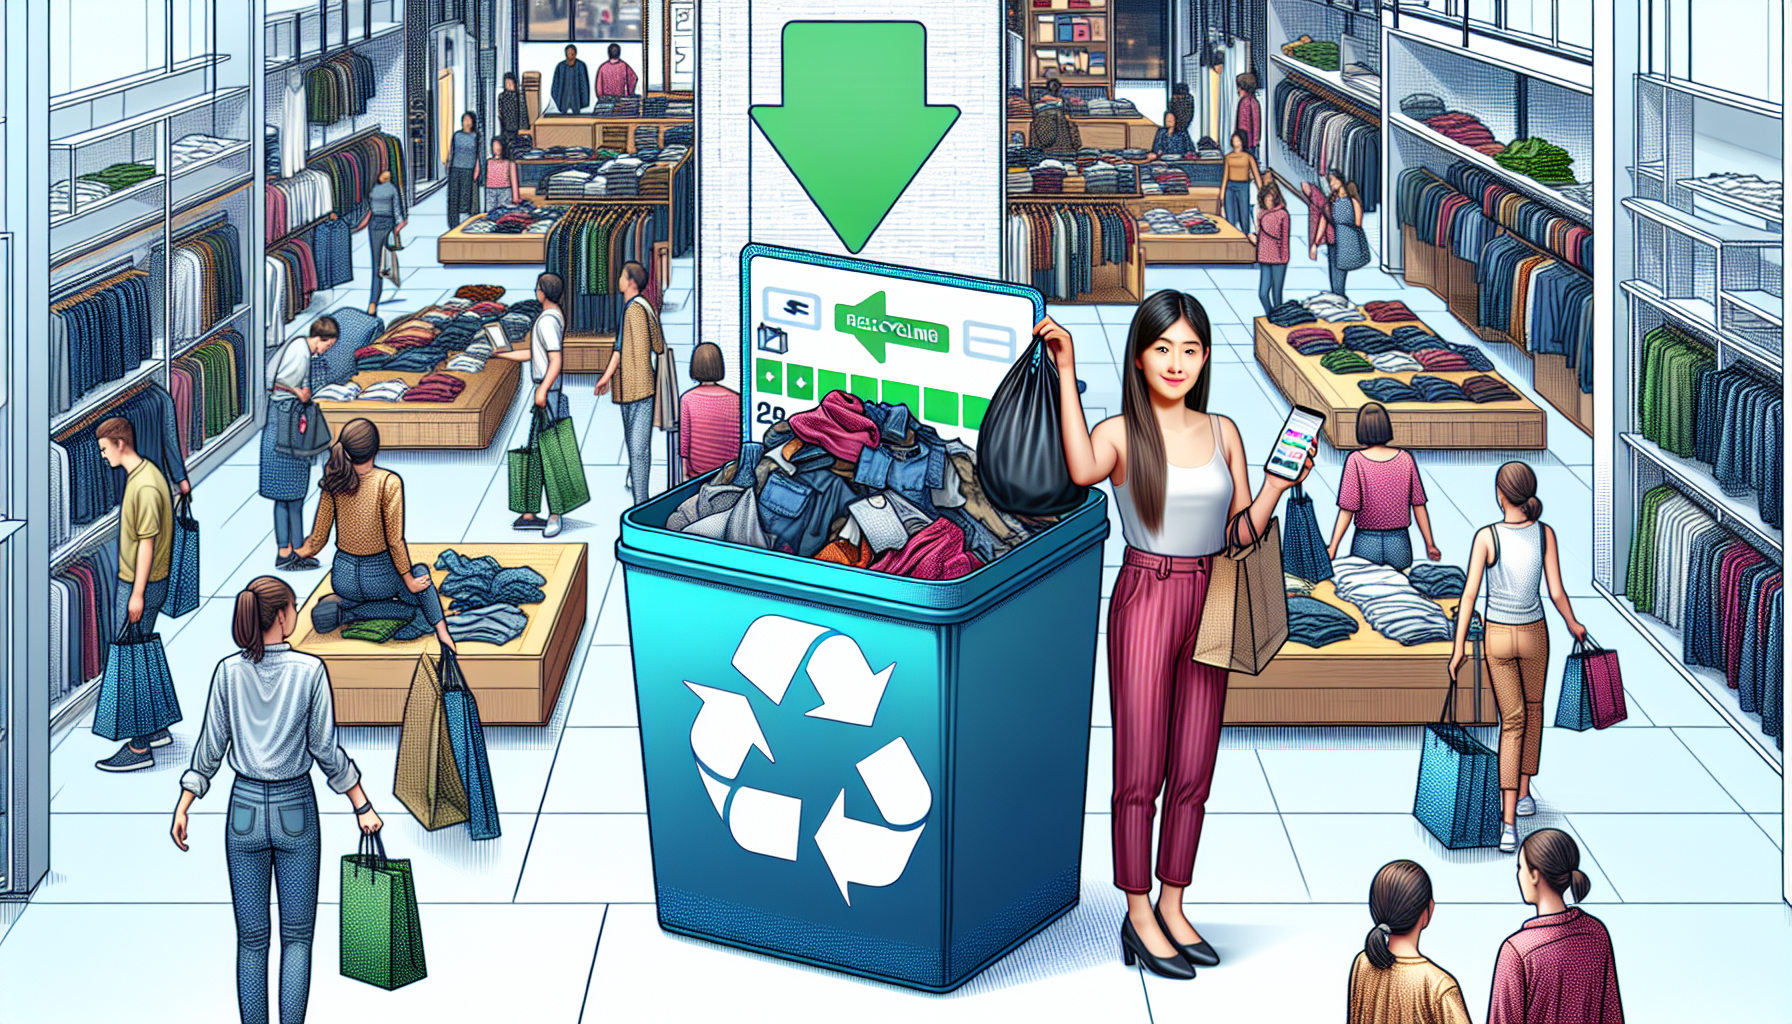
(1323, 56)
(119, 177)
(374, 631)
(1344, 360)
(1539, 159)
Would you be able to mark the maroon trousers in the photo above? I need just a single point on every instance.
(1167, 715)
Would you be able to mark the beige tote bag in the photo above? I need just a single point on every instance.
(1245, 619)
(427, 781)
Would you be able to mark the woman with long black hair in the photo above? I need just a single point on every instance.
(1179, 476)
(372, 575)
(270, 713)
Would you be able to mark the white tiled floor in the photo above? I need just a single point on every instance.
(1680, 820)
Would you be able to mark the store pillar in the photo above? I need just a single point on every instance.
(948, 218)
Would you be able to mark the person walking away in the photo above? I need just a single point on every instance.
(571, 90)
(1180, 479)
(546, 361)
(1249, 118)
(708, 416)
(513, 113)
(270, 712)
(631, 370)
(372, 573)
(145, 553)
(386, 218)
(1559, 966)
(1391, 982)
(500, 178)
(1241, 173)
(1514, 557)
(286, 479)
(1172, 139)
(1382, 492)
(1271, 240)
(1052, 130)
(1182, 105)
(1348, 247)
(614, 76)
(466, 168)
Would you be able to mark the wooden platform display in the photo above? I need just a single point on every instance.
(516, 684)
(616, 133)
(1366, 679)
(1207, 200)
(461, 246)
(587, 353)
(470, 421)
(1493, 425)
(1228, 246)
(1098, 132)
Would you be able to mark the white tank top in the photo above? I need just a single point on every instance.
(1196, 503)
(1515, 582)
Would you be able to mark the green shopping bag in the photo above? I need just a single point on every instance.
(525, 476)
(562, 471)
(382, 936)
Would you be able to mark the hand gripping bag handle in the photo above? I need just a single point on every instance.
(370, 852)
(1232, 545)
(449, 671)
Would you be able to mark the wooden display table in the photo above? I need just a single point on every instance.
(587, 353)
(470, 421)
(462, 246)
(1228, 246)
(616, 133)
(516, 684)
(1491, 425)
(1366, 679)
(1207, 200)
(1098, 132)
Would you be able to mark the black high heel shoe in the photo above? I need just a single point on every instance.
(1200, 954)
(1173, 966)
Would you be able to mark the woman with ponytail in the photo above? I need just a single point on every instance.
(1559, 966)
(270, 712)
(1179, 476)
(1391, 983)
(372, 574)
(1515, 556)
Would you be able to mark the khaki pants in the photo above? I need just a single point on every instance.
(1518, 659)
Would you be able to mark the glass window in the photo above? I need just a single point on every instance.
(1531, 17)
(1733, 51)
(93, 42)
(191, 33)
(1139, 40)
(583, 21)
(1483, 11)
(1574, 23)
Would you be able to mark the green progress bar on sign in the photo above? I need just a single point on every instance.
(934, 405)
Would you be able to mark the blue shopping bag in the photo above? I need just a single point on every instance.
(467, 736)
(1458, 797)
(1574, 709)
(1303, 546)
(137, 692)
(183, 568)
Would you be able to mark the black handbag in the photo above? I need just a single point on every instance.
(300, 430)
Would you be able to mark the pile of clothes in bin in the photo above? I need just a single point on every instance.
(858, 483)
(485, 597)
(420, 343)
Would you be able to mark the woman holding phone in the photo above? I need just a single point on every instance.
(1179, 477)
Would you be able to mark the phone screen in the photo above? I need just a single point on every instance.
(1290, 453)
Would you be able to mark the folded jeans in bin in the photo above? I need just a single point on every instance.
(1314, 623)
(1433, 579)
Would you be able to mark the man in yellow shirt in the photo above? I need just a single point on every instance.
(145, 549)
(631, 369)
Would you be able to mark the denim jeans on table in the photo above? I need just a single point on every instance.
(370, 588)
(1392, 548)
(155, 594)
(272, 828)
(637, 435)
(1269, 284)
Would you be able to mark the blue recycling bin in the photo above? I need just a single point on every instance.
(865, 772)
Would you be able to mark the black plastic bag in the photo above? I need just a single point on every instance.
(1020, 447)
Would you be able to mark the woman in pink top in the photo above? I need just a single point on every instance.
(1559, 966)
(500, 178)
(1382, 492)
(1271, 240)
(708, 416)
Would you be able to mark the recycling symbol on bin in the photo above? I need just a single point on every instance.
(769, 824)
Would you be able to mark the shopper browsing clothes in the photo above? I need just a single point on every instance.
(1172, 139)
(1559, 966)
(1514, 557)
(387, 218)
(1241, 173)
(1347, 247)
(1182, 105)
(500, 178)
(546, 361)
(1391, 982)
(631, 370)
(571, 91)
(1271, 240)
(270, 712)
(466, 168)
(1179, 475)
(1052, 130)
(145, 553)
(708, 416)
(614, 76)
(372, 575)
(1249, 118)
(513, 113)
(1381, 491)
(286, 479)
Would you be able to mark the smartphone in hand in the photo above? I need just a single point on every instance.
(1289, 456)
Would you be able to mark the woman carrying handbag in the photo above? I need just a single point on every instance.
(285, 477)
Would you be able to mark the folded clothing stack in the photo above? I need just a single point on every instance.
(1442, 360)
(1048, 176)
(1488, 389)
(1369, 341)
(1295, 585)
(1159, 221)
(473, 360)
(679, 134)
(1312, 341)
(337, 392)
(1422, 106)
(1436, 389)
(1539, 159)
(1475, 359)
(1434, 579)
(484, 597)
(1389, 603)
(386, 391)
(1018, 107)
(1020, 180)
(1197, 223)
(1396, 362)
(1748, 188)
(194, 148)
(437, 387)
(1466, 129)
(1388, 311)
(1315, 624)
(1164, 179)
(1332, 308)
(1321, 55)
(1103, 107)
(1290, 314)
(1343, 361)
(1388, 390)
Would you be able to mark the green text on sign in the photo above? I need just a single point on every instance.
(876, 329)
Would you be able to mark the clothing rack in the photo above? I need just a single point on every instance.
(106, 241)
(1502, 229)
(301, 229)
(210, 220)
(66, 288)
(224, 192)
(343, 143)
(1766, 545)
(1351, 107)
(93, 416)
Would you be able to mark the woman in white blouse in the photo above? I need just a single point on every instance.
(286, 479)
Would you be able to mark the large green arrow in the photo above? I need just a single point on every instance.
(876, 330)
(855, 126)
